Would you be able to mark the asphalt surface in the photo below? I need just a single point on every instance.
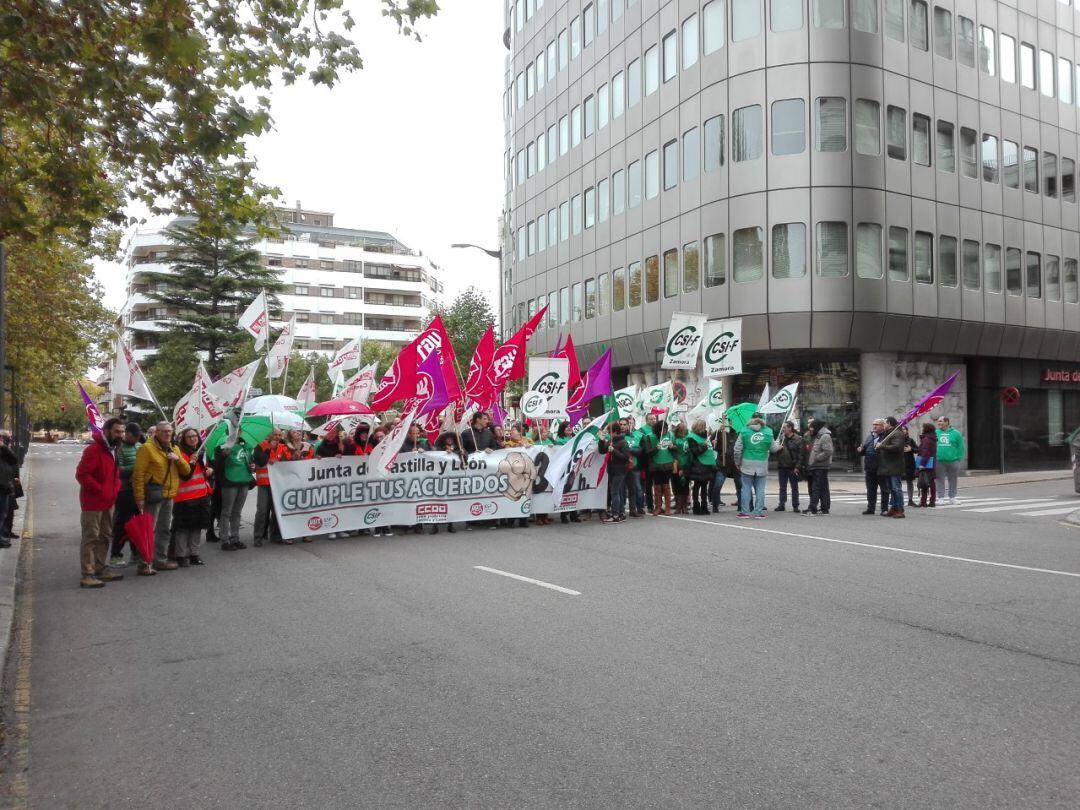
(707, 662)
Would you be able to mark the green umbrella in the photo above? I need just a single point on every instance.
(254, 429)
(739, 415)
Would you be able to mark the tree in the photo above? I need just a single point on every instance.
(153, 100)
(171, 371)
(215, 274)
(69, 414)
(378, 351)
(466, 320)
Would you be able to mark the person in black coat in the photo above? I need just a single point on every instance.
(618, 465)
(9, 476)
(911, 450)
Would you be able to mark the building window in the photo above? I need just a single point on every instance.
(691, 154)
(785, 15)
(942, 32)
(603, 106)
(633, 184)
(603, 198)
(714, 260)
(947, 261)
(747, 254)
(633, 73)
(618, 290)
(575, 37)
(553, 308)
(745, 20)
(603, 294)
(602, 16)
(946, 147)
(328, 319)
(864, 16)
(832, 249)
(618, 192)
(924, 258)
(590, 298)
(541, 231)
(540, 71)
(1031, 170)
(541, 151)
(920, 139)
(987, 37)
(868, 250)
(1053, 278)
(714, 143)
(652, 174)
(618, 95)
(712, 19)
(789, 250)
(671, 56)
(576, 310)
(273, 261)
(530, 80)
(894, 20)
(970, 264)
(552, 63)
(965, 41)
(530, 238)
(633, 272)
(302, 317)
(564, 221)
(552, 144)
(354, 292)
(652, 70)
(898, 265)
(968, 160)
(301, 264)
(590, 116)
(575, 214)
(327, 345)
(1072, 289)
(1065, 71)
(990, 158)
(671, 165)
(1046, 73)
(1013, 273)
(788, 127)
(867, 127)
(896, 133)
(590, 207)
(521, 248)
(1034, 275)
(652, 279)
(575, 125)
(831, 124)
(564, 50)
(671, 273)
(553, 228)
(1010, 164)
(746, 139)
(589, 15)
(828, 13)
(689, 41)
(992, 267)
(1068, 180)
(300, 289)
(564, 135)
(918, 26)
(1050, 175)
(1027, 66)
(691, 272)
(1008, 59)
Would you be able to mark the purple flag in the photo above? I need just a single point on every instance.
(929, 401)
(431, 395)
(93, 415)
(498, 413)
(595, 382)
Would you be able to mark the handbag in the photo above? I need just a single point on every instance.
(155, 492)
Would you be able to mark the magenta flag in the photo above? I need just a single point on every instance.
(596, 382)
(929, 401)
(431, 394)
(93, 415)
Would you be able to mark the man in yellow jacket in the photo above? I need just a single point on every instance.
(154, 481)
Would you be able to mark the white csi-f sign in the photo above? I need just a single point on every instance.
(548, 392)
(683, 340)
(722, 355)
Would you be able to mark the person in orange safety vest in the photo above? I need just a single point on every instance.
(191, 504)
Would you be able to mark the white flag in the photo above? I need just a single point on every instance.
(711, 408)
(348, 356)
(256, 320)
(782, 401)
(359, 387)
(307, 394)
(339, 386)
(466, 417)
(128, 379)
(382, 457)
(566, 458)
(198, 408)
(683, 340)
(281, 350)
(763, 400)
(722, 355)
(655, 396)
(625, 399)
(231, 388)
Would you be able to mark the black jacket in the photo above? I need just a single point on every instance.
(619, 458)
(792, 452)
(9, 469)
(476, 441)
(891, 454)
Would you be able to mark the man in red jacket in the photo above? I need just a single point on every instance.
(99, 483)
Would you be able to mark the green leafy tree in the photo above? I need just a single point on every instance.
(172, 370)
(466, 320)
(154, 100)
(378, 351)
(215, 274)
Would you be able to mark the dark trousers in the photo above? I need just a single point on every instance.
(648, 491)
(13, 504)
(788, 478)
(820, 499)
(896, 489)
(875, 484)
(700, 491)
(125, 511)
(616, 488)
(634, 493)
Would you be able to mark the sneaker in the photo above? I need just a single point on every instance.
(182, 562)
(90, 581)
(953, 502)
(239, 545)
(117, 561)
(782, 508)
(742, 516)
(109, 576)
(195, 559)
(758, 517)
(228, 546)
(388, 532)
(609, 519)
(869, 511)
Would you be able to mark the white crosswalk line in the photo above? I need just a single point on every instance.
(1047, 512)
(969, 502)
(1024, 503)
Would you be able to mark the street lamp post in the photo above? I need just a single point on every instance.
(495, 254)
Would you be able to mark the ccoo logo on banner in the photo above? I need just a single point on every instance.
(683, 340)
(722, 355)
(548, 392)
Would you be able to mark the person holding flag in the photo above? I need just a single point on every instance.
(99, 484)
(125, 501)
(191, 504)
(657, 446)
(752, 458)
(702, 465)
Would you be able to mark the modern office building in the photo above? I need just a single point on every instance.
(883, 190)
(341, 283)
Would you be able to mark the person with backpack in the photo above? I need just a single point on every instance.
(790, 450)
(702, 466)
(752, 458)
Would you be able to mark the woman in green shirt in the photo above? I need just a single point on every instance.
(657, 445)
(680, 476)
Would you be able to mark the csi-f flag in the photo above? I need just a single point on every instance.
(781, 401)
(256, 320)
(763, 400)
(660, 396)
(722, 355)
(683, 340)
(382, 458)
(231, 388)
(625, 399)
(549, 388)
(712, 404)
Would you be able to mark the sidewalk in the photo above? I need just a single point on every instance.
(9, 564)
(853, 483)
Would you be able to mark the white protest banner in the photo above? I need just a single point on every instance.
(256, 320)
(278, 358)
(229, 390)
(625, 399)
(318, 496)
(359, 387)
(782, 401)
(683, 340)
(722, 355)
(128, 379)
(548, 388)
(386, 452)
(348, 356)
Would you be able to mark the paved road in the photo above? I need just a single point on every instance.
(791, 662)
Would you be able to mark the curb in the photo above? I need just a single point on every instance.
(9, 565)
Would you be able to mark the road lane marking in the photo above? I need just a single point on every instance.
(1023, 503)
(1059, 511)
(530, 580)
(882, 548)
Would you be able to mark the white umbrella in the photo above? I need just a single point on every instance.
(271, 404)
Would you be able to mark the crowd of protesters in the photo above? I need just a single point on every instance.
(654, 468)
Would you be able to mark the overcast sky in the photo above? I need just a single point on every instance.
(412, 144)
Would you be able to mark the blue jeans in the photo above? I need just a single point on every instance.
(634, 493)
(753, 494)
(788, 477)
(617, 496)
(896, 489)
(714, 492)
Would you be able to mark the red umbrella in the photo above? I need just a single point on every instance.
(140, 531)
(339, 407)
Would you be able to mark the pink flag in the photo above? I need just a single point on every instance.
(929, 401)
(399, 382)
(478, 384)
(431, 395)
(93, 415)
(435, 338)
(509, 361)
(595, 382)
(567, 351)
